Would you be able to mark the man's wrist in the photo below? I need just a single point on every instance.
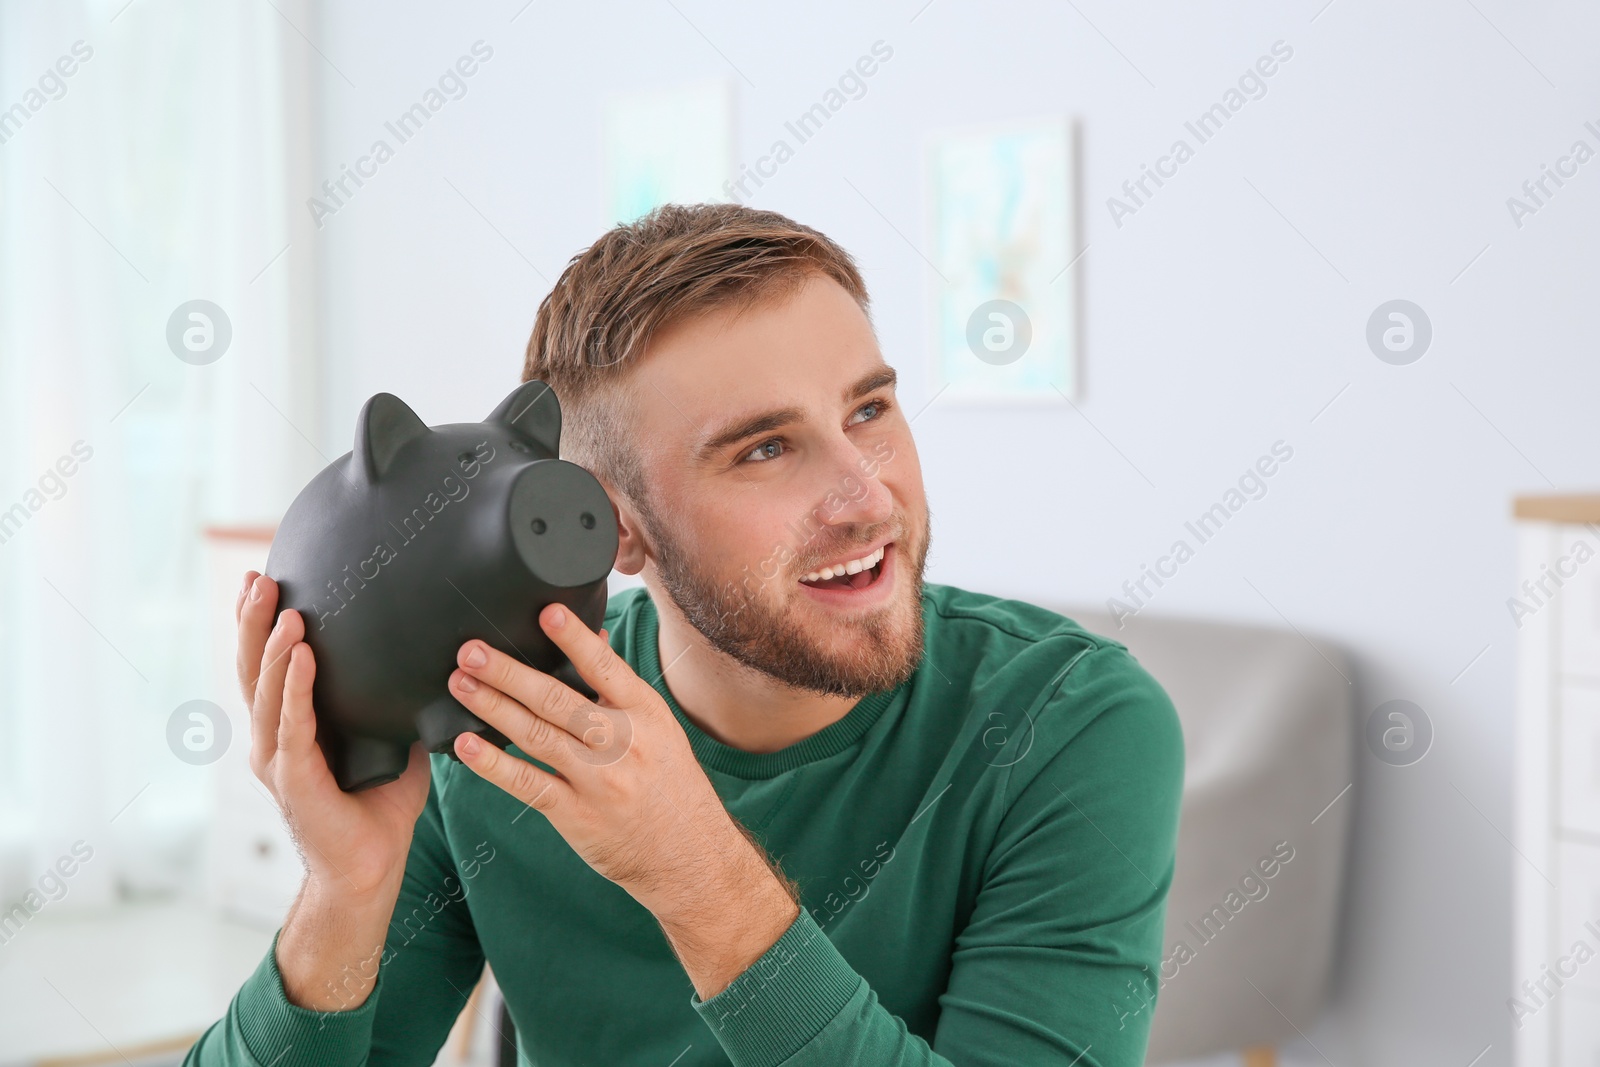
(728, 924)
(331, 944)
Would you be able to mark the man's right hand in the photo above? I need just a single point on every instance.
(354, 845)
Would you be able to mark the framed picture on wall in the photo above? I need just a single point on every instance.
(666, 145)
(1003, 236)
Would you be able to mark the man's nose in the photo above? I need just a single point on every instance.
(866, 500)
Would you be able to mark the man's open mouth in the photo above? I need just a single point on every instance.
(852, 574)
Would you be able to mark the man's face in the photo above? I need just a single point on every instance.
(773, 445)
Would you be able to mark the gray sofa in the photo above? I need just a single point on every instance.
(1270, 734)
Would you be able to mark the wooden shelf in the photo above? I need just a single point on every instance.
(1559, 507)
(263, 534)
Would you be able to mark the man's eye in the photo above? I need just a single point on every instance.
(764, 450)
(881, 405)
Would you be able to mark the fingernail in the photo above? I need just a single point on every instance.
(475, 657)
(470, 745)
(255, 589)
(558, 617)
(466, 683)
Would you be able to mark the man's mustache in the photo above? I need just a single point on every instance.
(844, 548)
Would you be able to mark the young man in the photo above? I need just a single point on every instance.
(822, 813)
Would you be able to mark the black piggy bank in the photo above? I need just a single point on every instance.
(420, 539)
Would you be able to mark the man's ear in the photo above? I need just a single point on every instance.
(631, 550)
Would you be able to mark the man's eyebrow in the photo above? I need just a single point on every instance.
(734, 432)
(882, 378)
(737, 431)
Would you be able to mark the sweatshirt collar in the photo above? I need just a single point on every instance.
(717, 756)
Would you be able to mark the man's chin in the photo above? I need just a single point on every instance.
(807, 646)
(851, 653)
(820, 644)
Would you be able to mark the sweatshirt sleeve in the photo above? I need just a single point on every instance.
(430, 961)
(1055, 964)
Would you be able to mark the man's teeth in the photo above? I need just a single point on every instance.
(853, 567)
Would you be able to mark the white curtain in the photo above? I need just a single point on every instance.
(170, 165)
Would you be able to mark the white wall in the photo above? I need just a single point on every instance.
(1214, 326)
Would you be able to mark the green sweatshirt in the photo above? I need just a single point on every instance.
(983, 854)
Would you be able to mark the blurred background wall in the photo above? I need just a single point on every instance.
(1226, 311)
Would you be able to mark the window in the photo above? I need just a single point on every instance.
(150, 156)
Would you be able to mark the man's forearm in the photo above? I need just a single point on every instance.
(331, 944)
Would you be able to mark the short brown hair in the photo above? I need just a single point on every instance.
(678, 261)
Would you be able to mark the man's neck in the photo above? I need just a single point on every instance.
(734, 704)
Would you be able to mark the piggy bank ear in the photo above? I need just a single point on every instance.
(533, 411)
(385, 424)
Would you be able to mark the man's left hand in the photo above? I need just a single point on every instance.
(629, 796)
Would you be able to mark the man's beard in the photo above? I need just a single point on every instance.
(736, 619)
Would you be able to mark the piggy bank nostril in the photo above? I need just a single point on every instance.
(561, 523)
(467, 459)
(518, 446)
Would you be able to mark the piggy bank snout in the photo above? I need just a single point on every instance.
(562, 524)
